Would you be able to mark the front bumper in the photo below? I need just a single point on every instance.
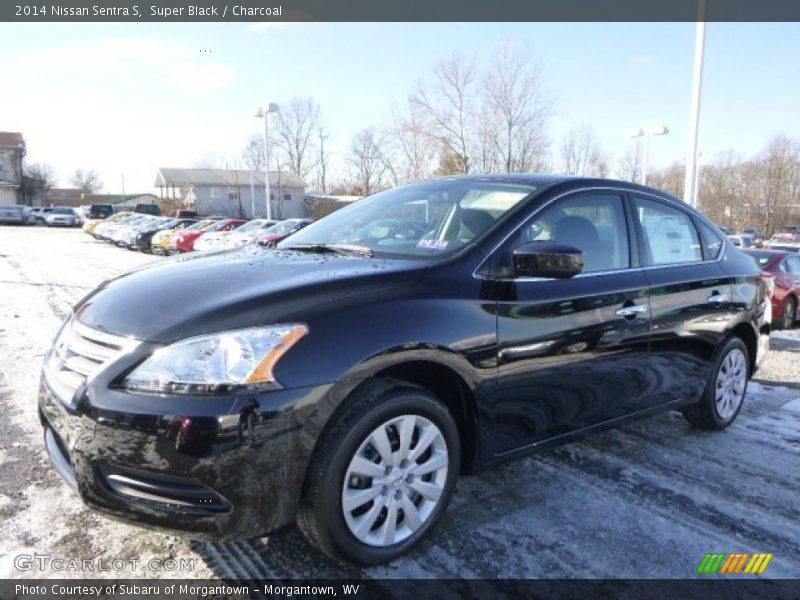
(209, 466)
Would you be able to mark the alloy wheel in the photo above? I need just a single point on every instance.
(731, 383)
(395, 480)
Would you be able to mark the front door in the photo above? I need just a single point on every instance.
(572, 353)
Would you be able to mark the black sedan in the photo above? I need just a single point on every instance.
(345, 385)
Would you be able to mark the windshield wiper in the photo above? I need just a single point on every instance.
(347, 249)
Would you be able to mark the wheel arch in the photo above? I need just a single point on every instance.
(437, 370)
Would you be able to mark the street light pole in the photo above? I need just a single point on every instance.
(690, 181)
(264, 113)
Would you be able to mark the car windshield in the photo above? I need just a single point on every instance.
(63, 211)
(283, 226)
(420, 220)
(219, 225)
(252, 225)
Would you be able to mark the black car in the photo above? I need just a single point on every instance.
(142, 240)
(346, 386)
(148, 209)
(101, 211)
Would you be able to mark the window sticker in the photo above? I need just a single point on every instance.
(433, 244)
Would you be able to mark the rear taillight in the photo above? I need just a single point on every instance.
(769, 279)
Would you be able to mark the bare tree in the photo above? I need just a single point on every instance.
(37, 178)
(86, 179)
(253, 153)
(581, 153)
(367, 161)
(446, 105)
(297, 122)
(669, 179)
(408, 150)
(210, 161)
(517, 109)
(629, 167)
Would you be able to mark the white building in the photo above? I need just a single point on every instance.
(227, 192)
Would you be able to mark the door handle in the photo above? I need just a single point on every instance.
(632, 310)
(718, 298)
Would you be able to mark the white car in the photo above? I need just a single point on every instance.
(242, 235)
(63, 215)
(226, 240)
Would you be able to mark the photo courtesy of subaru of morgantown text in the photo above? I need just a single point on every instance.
(331, 301)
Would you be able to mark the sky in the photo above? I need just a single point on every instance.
(129, 98)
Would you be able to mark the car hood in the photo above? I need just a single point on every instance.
(197, 294)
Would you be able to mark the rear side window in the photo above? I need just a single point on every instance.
(793, 265)
(711, 240)
(669, 234)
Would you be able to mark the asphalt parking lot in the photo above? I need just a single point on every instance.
(645, 501)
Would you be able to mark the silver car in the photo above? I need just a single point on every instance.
(14, 213)
(63, 215)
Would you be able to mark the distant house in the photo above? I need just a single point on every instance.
(228, 192)
(12, 150)
(80, 197)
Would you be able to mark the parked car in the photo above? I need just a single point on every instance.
(125, 236)
(145, 235)
(38, 214)
(91, 225)
(755, 233)
(783, 242)
(185, 214)
(347, 386)
(184, 240)
(239, 236)
(742, 240)
(164, 242)
(107, 231)
(148, 209)
(789, 233)
(280, 231)
(18, 214)
(66, 216)
(232, 238)
(782, 270)
(101, 211)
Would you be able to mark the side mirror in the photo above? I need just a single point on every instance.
(547, 259)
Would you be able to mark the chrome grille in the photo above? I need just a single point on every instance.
(79, 353)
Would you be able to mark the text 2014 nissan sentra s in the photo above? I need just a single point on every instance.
(345, 378)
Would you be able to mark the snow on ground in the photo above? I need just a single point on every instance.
(644, 501)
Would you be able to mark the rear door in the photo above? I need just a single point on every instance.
(690, 296)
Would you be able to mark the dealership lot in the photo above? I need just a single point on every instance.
(648, 500)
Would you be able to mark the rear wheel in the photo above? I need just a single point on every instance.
(382, 475)
(789, 312)
(725, 390)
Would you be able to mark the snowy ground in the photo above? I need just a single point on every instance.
(645, 501)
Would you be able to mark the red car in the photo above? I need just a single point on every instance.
(184, 240)
(781, 270)
(281, 230)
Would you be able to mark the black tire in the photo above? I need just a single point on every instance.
(705, 413)
(40, 222)
(789, 312)
(321, 515)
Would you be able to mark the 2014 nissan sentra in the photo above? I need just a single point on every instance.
(346, 385)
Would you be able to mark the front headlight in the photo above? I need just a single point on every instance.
(225, 362)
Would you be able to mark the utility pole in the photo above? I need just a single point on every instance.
(690, 182)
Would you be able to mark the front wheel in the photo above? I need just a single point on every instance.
(725, 389)
(382, 475)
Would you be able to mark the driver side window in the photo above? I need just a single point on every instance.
(594, 223)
